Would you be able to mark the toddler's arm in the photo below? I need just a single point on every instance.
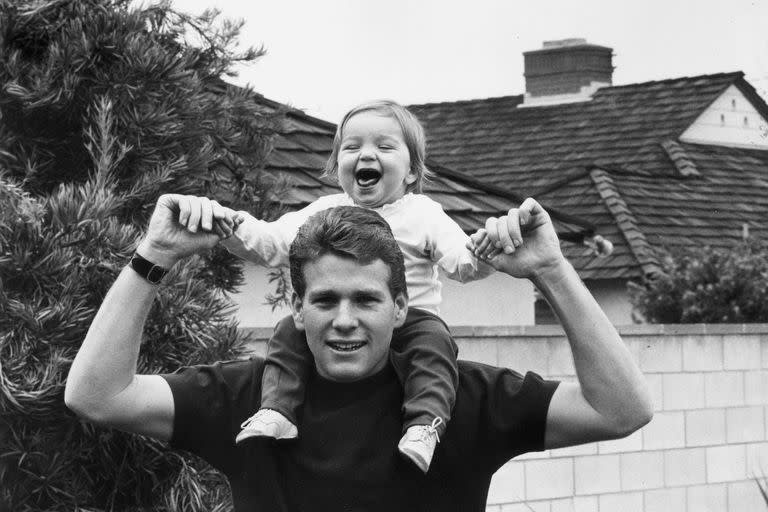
(452, 252)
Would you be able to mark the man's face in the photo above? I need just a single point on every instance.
(348, 315)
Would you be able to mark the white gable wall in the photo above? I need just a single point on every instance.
(730, 121)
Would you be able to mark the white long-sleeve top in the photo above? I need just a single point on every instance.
(427, 236)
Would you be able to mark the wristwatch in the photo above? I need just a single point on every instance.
(146, 269)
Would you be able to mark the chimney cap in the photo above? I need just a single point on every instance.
(572, 42)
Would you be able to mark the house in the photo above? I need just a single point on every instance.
(657, 165)
(648, 166)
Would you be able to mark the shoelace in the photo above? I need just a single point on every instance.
(247, 422)
(432, 429)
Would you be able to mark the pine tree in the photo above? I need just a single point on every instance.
(103, 107)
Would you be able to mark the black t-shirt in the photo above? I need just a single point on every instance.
(346, 457)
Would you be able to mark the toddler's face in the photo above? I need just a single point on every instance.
(374, 162)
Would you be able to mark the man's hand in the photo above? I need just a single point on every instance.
(184, 225)
(522, 243)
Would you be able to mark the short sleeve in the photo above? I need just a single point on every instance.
(210, 402)
(512, 413)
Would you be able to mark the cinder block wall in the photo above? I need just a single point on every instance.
(706, 443)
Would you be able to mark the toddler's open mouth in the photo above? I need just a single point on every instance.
(367, 177)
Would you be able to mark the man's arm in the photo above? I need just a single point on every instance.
(611, 398)
(102, 385)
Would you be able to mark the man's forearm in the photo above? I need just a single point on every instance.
(106, 363)
(610, 381)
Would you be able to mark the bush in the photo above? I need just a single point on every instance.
(707, 285)
(102, 109)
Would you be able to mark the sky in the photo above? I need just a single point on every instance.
(326, 56)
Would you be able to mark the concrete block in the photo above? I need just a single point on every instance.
(705, 427)
(707, 498)
(726, 463)
(624, 502)
(482, 351)
(492, 508)
(662, 354)
(642, 470)
(702, 353)
(560, 357)
(745, 424)
(533, 455)
(597, 474)
(764, 350)
(757, 460)
(685, 467)
(756, 387)
(665, 500)
(546, 479)
(666, 430)
(507, 484)
(531, 506)
(724, 389)
(524, 355)
(744, 496)
(576, 504)
(741, 351)
(683, 391)
(572, 451)
(534, 506)
(631, 443)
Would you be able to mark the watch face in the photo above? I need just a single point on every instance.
(155, 274)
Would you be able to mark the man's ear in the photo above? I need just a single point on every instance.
(401, 309)
(297, 310)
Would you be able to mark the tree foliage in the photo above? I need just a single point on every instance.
(708, 285)
(103, 107)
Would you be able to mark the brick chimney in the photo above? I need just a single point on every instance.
(566, 71)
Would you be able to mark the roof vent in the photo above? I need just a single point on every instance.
(566, 71)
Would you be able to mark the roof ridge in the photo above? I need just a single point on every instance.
(679, 157)
(467, 101)
(732, 74)
(625, 220)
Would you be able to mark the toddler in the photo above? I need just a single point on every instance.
(378, 156)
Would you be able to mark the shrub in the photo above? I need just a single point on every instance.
(707, 285)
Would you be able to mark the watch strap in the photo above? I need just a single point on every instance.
(151, 272)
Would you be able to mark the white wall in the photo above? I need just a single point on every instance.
(612, 296)
(496, 300)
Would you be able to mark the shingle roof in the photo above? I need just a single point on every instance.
(615, 161)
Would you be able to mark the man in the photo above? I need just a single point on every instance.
(349, 295)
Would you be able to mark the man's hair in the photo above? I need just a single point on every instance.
(349, 232)
(413, 134)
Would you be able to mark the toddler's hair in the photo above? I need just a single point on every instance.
(413, 133)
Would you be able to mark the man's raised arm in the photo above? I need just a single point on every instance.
(102, 385)
(611, 398)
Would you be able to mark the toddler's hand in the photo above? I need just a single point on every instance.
(481, 245)
(225, 221)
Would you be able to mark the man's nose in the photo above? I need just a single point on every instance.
(345, 318)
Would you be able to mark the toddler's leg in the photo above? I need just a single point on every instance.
(282, 385)
(423, 355)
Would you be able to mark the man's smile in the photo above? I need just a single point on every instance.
(345, 346)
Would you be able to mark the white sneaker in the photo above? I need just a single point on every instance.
(267, 423)
(419, 442)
